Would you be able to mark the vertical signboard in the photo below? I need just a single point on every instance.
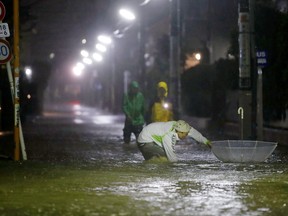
(261, 58)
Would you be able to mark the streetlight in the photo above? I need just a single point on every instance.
(104, 39)
(145, 2)
(87, 61)
(84, 53)
(97, 57)
(78, 69)
(127, 14)
(100, 47)
(28, 72)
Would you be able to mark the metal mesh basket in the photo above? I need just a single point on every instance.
(242, 151)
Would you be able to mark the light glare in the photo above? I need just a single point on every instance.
(80, 65)
(165, 105)
(126, 14)
(52, 55)
(198, 56)
(101, 47)
(78, 69)
(28, 71)
(97, 57)
(84, 53)
(104, 39)
(87, 61)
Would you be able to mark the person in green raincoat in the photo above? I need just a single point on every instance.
(134, 110)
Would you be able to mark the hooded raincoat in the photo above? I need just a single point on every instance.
(134, 106)
(161, 108)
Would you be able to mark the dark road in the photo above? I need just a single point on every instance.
(72, 132)
(78, 165)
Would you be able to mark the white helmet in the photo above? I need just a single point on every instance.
(182, 126)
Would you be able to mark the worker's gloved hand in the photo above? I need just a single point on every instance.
(208, 143)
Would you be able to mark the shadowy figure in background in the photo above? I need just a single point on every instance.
(161, 109)
(157, 140)
(134, 109)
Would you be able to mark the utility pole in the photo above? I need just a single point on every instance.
(16, 80)
(174, 67)
(254, 73)
(245, 84)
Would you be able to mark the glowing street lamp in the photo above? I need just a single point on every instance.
(80, 65)
(145, 2)
(78, 69)
(84, 53)
(97, 57)
(77, 72)
(28, 72)
(104, 39)
(127, 14)
(101, 47)
(87, 61)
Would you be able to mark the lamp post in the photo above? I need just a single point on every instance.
(130, 16)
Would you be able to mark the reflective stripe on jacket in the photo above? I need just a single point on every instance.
(163, 134)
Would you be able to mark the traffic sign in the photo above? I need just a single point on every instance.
(261, 58)
(4, 30)
(2, 11)
(5, 54)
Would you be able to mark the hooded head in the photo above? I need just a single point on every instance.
(133, 88)
(162, 85)
(134, 84)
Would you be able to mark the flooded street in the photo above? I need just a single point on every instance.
(78, 165)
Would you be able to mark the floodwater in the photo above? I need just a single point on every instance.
(107, 177)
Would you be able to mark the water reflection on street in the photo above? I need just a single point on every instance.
(213, 188)
(87, 170)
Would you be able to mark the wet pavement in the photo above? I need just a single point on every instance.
(78, 165)
(73, 132)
